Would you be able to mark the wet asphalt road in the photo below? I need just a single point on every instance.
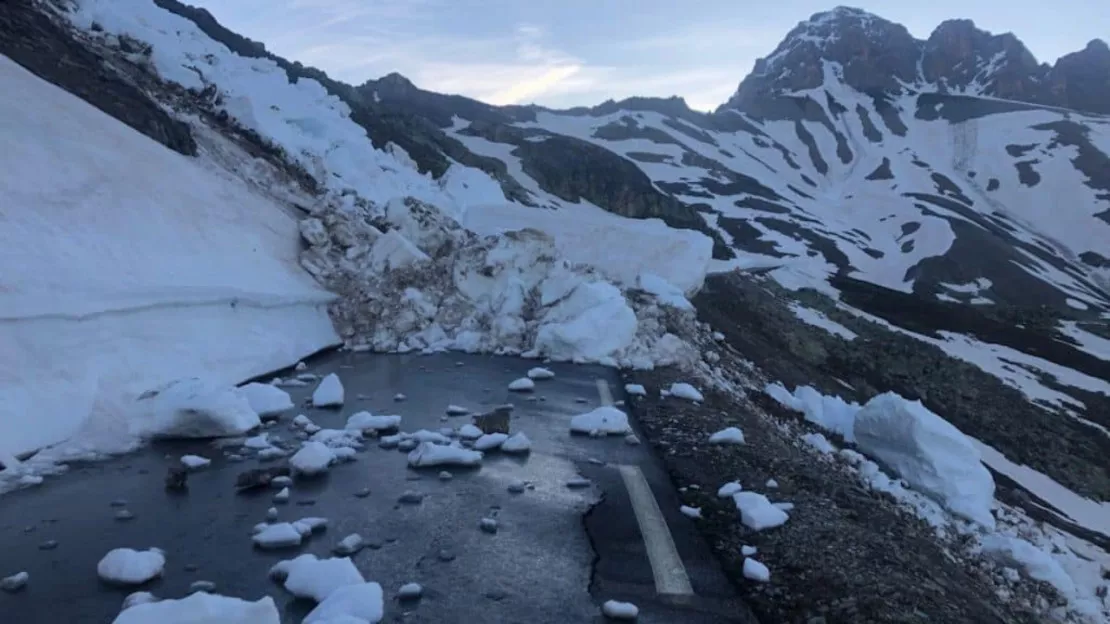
(558, 553)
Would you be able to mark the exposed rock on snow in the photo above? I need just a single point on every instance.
(929, 453)
(266, 399)
(125, 566)
(329, 393)
(604, 420)
(192, 408)
(201, 607)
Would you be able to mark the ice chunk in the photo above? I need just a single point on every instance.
(757, 512)
(635, 389)
(202, 608)
(540, 373)
(457, 410)
(690, 512)
(258, 442)
(729, 489)
(756, 571)
(470, 432)
(684, 390)
(193, 462)
(490, 441)
(516, 443)
(266, 399)
(606, 419)
(524, 384)
(349, 545)
(280, 535)
(190, 408)
(316, 579)
(125, 566)
(329, 393)
(362, 602)
(429, 454)
(312, 459)
(819, 442)
(593, 322)
(616, 610)
(364, 421)
(410, 591)
(730, 435)
(423, 435)
(933, 456)
(14, 582)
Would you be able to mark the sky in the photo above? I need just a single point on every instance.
(564, 53)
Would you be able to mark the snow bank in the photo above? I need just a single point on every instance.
(933, 456)
(109, 288)
(202, 607)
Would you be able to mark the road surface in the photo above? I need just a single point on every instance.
(558, 553)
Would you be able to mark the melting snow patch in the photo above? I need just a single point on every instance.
(350, 604)
(125, 566)
(329, 393)
(817, 319)
(604, 420)
(266, 399)
(201, 607)
(757, 512)
(730, 435)
(428, 454)
(685, 391)
(312, 459)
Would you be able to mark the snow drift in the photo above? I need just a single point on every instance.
(124, 266)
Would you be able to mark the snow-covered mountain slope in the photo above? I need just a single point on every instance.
(126, 265)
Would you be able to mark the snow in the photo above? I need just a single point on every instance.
(490, 441)
(470, 431)
(361, 602)
(1036, 563)
(690, 512)
(14, 582)
(932, 455)
(457, 410)
(524, 384)
(410, 591)
(312, 459)
(428, 454)
(125, 566)
(517, 443)
(729, 489)
(819, 442)
(757, 512)
(728, 435)
(593, 322)
(756, 571)
(664, 291)
(635, 390)
(279, 535)
(540, 373)
(329, 393)
(96, 323)
(684, 390)
(829, 412)
(266, 400)
(817, 319)
(605, 420)
(201, 608)
(192, 408)
(308, 576)
(363, 421)
(617, 610)
(194, 462)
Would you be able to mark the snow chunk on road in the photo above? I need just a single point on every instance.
(684, 390)
(730, 435)
(312, 459)
(606, 420)
(616, 610)
(310, 577)
(202, 608)
(428, 454)
(362, 602)
(280, 535)
(524, 384)
(470, 432)
(14, 582)
(191, 408)
(540, 373)
(125, 566)
(365, 421)
(690, 512)
(729, 489)
(266, 400)
(329, 393)
(757, 512)
(457, 410)
(635, 389)
(756, 571)
(490, 441)
(932, 455)
(593, 322)
(194, 462)
(516, 443)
